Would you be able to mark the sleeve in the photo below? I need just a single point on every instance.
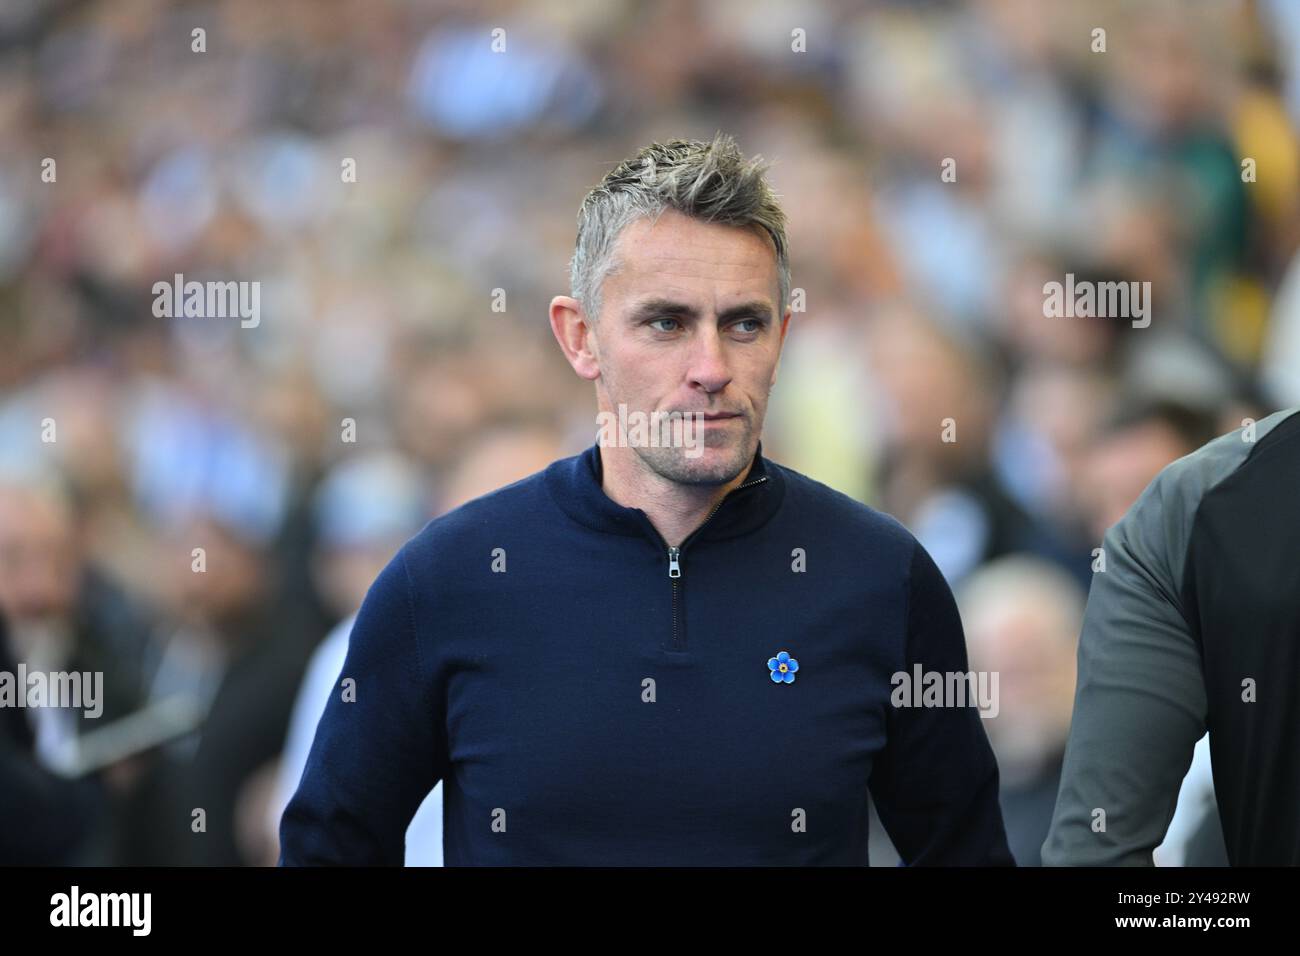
(1140, 703)
(936, 783)
(317, 686)
(377, 752)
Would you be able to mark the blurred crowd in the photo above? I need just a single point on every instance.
(403, 363)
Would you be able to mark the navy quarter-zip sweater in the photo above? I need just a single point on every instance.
(589, 696)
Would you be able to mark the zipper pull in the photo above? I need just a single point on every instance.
(674, 567)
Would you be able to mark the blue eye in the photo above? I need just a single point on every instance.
(757, 322)
(666, 319)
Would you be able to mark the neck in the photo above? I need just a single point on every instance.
(674, 509)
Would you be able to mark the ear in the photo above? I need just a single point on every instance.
(575, 335)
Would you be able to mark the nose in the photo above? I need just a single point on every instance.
(708, 370)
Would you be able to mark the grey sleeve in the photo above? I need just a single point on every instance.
(1140, 702)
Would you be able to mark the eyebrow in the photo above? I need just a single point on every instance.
(662, 307)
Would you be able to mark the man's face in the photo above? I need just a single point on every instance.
(38, 558)
(1120, 467)
(689, 323)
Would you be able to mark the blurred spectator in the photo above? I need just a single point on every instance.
(45, 819)
(1022, 619)
(1132, 448)
(936, 475)
(61, 613)
(64, 613)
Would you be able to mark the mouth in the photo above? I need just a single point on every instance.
(719, 416)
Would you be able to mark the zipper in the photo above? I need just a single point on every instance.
(674, 572)
(675, 554)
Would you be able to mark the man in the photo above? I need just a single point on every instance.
(657, 654)
(61, 612)
(66, 613)
(1022, 615)
(46, 819)
(1192, 626)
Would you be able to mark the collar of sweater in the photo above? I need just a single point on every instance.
(575, 483)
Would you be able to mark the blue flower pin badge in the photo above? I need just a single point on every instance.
(782, 667)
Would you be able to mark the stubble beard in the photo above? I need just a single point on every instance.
(724, 457)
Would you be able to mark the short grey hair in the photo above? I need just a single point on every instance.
(710, 181)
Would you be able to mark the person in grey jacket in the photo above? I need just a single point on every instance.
(1192, 625)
